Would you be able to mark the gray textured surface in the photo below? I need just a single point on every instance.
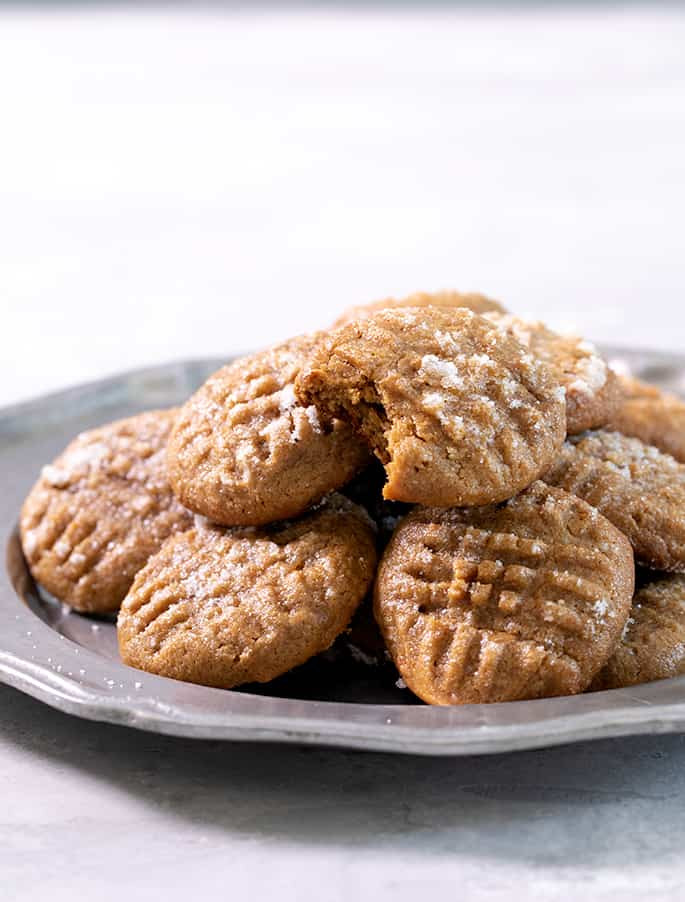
(93, 811)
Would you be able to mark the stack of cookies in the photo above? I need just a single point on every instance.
(485, 484)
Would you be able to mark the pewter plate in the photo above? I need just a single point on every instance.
(70, 661)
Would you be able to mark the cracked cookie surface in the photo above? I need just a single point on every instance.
(639, 489)
(652, 646)
(244, 450)
(593, 390)
(517, 601)
(479, 303)
(100, 510)
(458, 412)
(223, 607)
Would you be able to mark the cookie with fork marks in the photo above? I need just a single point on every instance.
(100, 510)
(223, 607)
(516, 601)
(458, 412)
(639, 489)
(245, 452)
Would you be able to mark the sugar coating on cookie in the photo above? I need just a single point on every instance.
(592, 388)
(244, 450)
(637, 487)
(479, 303)
(518, 601)
(223, 607)
(652, 646)
(458, 412)
(655, 417)
(100, 510)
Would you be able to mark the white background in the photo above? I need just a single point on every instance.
(179, 183)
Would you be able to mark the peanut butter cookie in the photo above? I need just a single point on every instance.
(479, 303)
(592, 388)
(639, 489)
(100, 510)
(655, 417)
(244, 450)
(458, 412)
(653, 643)
(223, 607)
(518, 601)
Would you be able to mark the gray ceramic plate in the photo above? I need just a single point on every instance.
(71, 662)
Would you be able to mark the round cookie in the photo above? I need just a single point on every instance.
(518, 601)
(655, 417)
(244, 452)
(223, 607)
(458, 412)
(479, 303)
(100, 510)
(592, 389)
(639, 489)
(653, 643)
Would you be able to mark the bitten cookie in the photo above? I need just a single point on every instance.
(479, 303)
(639, 489)
(655, 417)
(653, 643)
(458, 412)
(593, 391)
(222, 607)
(245, 452)
(100, 510)
(519, 601)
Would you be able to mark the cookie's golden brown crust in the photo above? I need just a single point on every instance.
(223, 607)
(593, 390)
(479, 303)
(656, 418)
(100, 510)
(245, 452)
(639, 489)
(524, 600)
(653, 643)
(458, 412)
